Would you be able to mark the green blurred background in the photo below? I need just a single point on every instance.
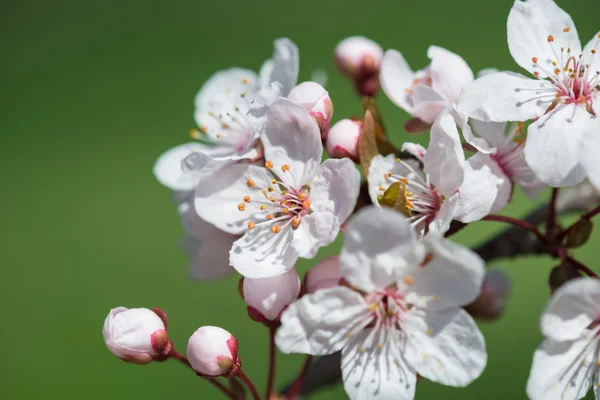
(93, 92)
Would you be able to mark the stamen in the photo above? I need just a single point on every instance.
(250, 183)
(263, 207)
(550, 38)
(247, 199)
(269, 164)
(295, 223)
(285, 167)
(251, 225)
(241, 206)
(276, 229)
(269, 216)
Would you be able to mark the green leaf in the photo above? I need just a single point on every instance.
(579, 234)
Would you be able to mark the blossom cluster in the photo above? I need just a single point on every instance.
(399, 302)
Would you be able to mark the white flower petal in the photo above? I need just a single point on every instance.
(479, 143)
(291, 136)
(593, 44)
(335, 188)
(451, 276)
(169, 172)
(562, 370)
(283, 67)
(449, 72)
(395, 77)
(574, 306)
(318, 323)
(529, 25)
(232, 80)
(493, 132)
(443, 217)
(553, 144)
(264, 98)
(377, 176)
(260, 253)
(445, 347)
(379, 246)
(372, 373)
(427, 103)
(444, 159)
(485, 187)
(315, 231)
(506, 96)
(590, 149)
(415, 149)
(219, 193)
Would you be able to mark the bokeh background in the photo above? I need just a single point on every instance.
(92, 92)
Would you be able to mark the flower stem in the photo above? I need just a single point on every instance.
(181, 358)
(249, 384)
(551, 221)
(297, 384)
(591, 214)
(582, 267)
(272, 359)
(587, 216)
(519, 223)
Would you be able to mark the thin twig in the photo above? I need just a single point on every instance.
(297, 384)
(249, 384)
(518, 223)
(272, 359)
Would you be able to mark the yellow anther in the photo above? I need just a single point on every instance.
(429, 332)
(443, 197)
(306, 204)
(241, 206)
(283, 192)
(251, 225)
(203, 128)
(269, 216)
(373, 307)
(398, 159)
(285, 167)
(194, 134)
(270, 189)
(247, 199)
(554, 63)
(379, 346)
(286, 210)
(593, 51)
(404, 180)
(557, 71)
(250, 183)
(273, 181)
(382, 188)
(535, 60)
(362, 350)
(301, 196)
(409, 280)
(567, 29)
(536, 74)
(245, 81)
(263, 207)
(275, 229)
(568, 49)
(269, 164)
(295, 223)
(550, 38)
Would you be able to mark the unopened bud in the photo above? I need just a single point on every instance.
(268, 297)
(561, 275)
(324, 275)
(360, 58)
(315, 99)
(136, 335)
(342, 140)
(492, 301)
(212, 351)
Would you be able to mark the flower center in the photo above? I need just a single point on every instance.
(277, 205)
(511, 159)
(422, 198)
(574, 78)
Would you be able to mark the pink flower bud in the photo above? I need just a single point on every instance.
(357, 57)
(491, 302)
(315, 99)
(324, 275)
(212, 351)
(136, 334)
(269, 296)
(342, 140)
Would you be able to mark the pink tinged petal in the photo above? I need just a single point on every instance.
(590, 150)
(315, 231)
(335, 188)
(506, 96)
(319, 323)
(291, 136)
(219, 194)
(379, 246)
(415, 149)
(529, 25)
(260, 253)
(128, 332)
(270, 296)
(445, 347)
(444, 216)
(427, 103)
(562, 370)
(415, 125)
(283, 67)
(493, 132)
(451, 276)
(377, 371)
(484, 183)
(324, 275)
(449, 72)
(553, 145)
(168, 169)
(396, 77)
(444, 159)
(574, 306)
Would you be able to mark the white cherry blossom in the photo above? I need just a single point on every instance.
(424, 94)
(288, 208)
(399, 313)
(567, 363)
(226, 130)
(440, 188)
(562, 96)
